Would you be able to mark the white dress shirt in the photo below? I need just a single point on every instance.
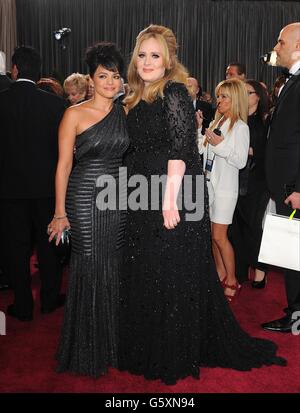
(293, 70)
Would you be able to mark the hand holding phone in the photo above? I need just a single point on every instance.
(217, 131)
(212, 139)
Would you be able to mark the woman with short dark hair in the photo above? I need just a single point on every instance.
(97, 129)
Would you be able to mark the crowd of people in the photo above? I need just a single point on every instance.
(149, 283)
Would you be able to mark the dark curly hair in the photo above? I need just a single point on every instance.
(106, 55)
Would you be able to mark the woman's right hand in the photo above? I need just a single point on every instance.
(56, 227)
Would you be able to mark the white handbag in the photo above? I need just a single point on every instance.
(280, 244)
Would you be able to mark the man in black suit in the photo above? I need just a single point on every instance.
(205, 107)
(29, 119)
(283, 157)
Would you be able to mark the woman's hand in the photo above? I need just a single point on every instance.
(171, 218)
(212, 138)
(56, 227)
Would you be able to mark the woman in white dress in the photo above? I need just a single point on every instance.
(225, 147)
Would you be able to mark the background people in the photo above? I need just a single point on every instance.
(236, 70)
(29, 120)
(75, 87)
(223, 156)
(204, 107)
(5, 81)
(90, 88)
(246, 228)
(51, 85)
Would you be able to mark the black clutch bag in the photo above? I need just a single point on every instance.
(63, 248)
(65, 237)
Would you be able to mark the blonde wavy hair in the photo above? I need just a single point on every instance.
(76, 80)
(174, 70)
(236, 90)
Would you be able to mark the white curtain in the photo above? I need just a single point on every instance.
(8, 29)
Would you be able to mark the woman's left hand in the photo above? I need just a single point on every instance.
(171, 218)
(212, 138)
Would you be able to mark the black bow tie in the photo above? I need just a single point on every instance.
(286, 73)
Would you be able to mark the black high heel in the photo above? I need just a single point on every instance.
(260, 284)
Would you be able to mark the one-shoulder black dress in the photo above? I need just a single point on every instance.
(89, 337)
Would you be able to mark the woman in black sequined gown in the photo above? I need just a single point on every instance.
(89, 337)
(174, 316)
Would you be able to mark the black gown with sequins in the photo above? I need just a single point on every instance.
(174, 315)
(89, 337)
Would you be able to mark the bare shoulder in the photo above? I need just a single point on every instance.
(76, 112)
(70, 119)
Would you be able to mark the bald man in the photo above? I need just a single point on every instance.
(283, 157)
(205, 107)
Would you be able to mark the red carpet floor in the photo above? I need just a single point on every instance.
(27, 354)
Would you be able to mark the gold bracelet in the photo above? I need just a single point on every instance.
(61, 217)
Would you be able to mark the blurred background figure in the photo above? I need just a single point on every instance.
(75, 87)
(90, 88)
(5, 81)
(246, 228)
(51, 85)
(276, 87)
(236, 70)
(120, 96)
(207, 97)
(127, 89)
(195, 92)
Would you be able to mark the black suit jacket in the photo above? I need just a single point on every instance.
(5, 82)
(283, 144)
(252, 177)
(207, 110)
(29, 119)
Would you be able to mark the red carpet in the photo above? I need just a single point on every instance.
(27, 354)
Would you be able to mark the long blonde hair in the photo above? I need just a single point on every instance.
(174, 70)
(236, 90)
